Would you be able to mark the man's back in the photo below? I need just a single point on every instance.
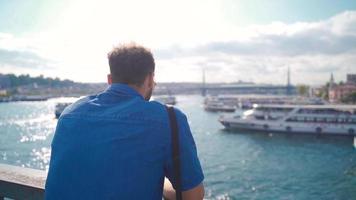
(116, 145)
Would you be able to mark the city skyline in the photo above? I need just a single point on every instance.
(232, 40)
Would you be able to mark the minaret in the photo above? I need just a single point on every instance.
(331, 94)
(331, 82)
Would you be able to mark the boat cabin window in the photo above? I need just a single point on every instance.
(259, 117)
(273, 109)
(330, 111)
(340, 120)
(330, 120)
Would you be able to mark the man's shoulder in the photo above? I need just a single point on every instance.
(154, 109)
(159, 106)
(157, 110)
(134, 108)
(74, 106)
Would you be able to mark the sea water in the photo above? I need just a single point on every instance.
(237, 165)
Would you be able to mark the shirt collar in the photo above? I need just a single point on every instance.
(123, 89)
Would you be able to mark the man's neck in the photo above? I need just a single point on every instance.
(140, 90)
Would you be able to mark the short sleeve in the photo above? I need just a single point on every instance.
(191, 171)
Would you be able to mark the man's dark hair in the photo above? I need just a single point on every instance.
(130, 64)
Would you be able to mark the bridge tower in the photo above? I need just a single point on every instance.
(203, 84)
(289, 86)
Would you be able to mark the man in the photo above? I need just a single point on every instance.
(117, 144)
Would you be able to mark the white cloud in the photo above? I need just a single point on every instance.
(311, 50)
(183, 44)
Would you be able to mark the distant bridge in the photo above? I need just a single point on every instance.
(250, 89)
(214, 89)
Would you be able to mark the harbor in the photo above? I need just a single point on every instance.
(250, 139)
(237, 164)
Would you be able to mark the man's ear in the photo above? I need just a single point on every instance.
(109, 79)
(151, 81)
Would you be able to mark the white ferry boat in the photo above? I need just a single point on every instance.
(217, 106)
(311, 119)
(230, 100)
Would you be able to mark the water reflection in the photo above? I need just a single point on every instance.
(41, 157)
(26, 133)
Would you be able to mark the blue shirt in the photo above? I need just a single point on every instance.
(116, 145)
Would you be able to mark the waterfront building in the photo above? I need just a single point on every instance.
(338, 92)
(341, 91)
(351, 78)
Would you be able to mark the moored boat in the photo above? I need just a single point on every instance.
(217, 106)
(60, 108)
(169, 100)
(310, 119)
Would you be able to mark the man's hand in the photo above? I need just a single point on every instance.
(169, 193)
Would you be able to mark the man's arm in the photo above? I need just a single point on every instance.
(191, 172)
(196, 193)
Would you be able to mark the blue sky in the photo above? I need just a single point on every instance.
(288, 11)
(233, 40)
(17, 16)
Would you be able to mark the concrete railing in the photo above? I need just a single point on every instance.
(21, 183)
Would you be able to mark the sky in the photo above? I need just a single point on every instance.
(232, 40)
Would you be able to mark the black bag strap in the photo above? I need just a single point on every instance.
(175, 151)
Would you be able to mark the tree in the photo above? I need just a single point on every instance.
(13, 81)
(303, 90)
